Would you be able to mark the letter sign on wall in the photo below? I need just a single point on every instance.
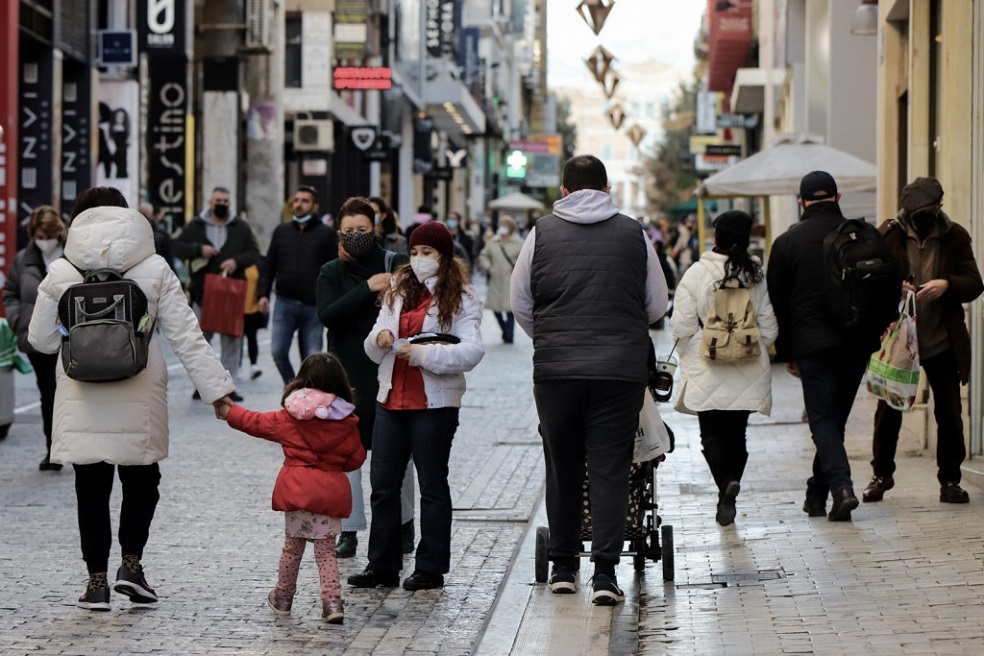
(161, 26)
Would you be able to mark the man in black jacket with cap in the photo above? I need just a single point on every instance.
(829, 360)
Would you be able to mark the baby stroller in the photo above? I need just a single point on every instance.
(646, 535)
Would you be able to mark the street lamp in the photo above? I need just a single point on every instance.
(865, 22)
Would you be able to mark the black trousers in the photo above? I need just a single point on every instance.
(589, 422)
(44, 370)
(93, 486)
(251, 324)
(722, 434)
(944, 381)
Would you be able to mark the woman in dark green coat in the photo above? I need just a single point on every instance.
(348, 303)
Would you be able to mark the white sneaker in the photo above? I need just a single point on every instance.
(255, 372)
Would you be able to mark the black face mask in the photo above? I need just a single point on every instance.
(923, 222)
(220, 211)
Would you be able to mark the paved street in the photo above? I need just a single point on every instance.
(904, 578)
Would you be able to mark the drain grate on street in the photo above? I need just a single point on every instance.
(735, 579)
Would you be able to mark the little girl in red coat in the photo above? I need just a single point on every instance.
(320, 437)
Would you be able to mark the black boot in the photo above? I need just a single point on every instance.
(407, 537)
(348, 542)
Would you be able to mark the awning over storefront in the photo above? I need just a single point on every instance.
(748, 95)
(453, 108)
(729, 35)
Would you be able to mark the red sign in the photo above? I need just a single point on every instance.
(8, 127)
(729, 35)
(352, 77)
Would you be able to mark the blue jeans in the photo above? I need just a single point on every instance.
(290, 316)
(830, 384)
(507, 323)
(427, 436)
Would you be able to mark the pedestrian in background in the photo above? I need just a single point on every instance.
(497, 260)
(254, 320)
(724, 393)
(387, 226)
(162, 240)
(829, 359)
(101, 426)
(318, 431)
(420, 390)
(937, 264)
(590, 330)
(348, 304)
(20, 292)
(217, 241)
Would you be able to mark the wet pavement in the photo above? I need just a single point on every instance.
(907, 576)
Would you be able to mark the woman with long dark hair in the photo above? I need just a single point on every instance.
(387, 227)
(723, 393)
(420, 389)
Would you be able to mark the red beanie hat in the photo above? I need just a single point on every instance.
(433, 234)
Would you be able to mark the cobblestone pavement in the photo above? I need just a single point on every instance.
(905, 577)
(215, 543)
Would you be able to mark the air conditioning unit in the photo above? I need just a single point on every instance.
(259, 25)
(314, 134)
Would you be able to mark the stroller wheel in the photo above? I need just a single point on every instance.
(639, 559)
(541, 562)
(667, 533)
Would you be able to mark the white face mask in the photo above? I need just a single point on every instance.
(502, 232)
(424, 267)
(47, 246)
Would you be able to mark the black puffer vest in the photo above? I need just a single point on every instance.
(589, 300)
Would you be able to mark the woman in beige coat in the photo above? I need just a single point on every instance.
(497, 260)
(101, 426)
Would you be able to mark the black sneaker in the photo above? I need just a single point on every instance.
(196, 396)
(96, 597)
(606, 590)
(951, 492)
(134, 586)
(235, 397)
(563, 580)
(47, 465)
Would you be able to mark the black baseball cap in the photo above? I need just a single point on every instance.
(817, 185)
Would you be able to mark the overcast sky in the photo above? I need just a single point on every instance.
(635, 30)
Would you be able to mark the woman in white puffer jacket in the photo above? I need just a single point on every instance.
(723, 393)
(98, 426)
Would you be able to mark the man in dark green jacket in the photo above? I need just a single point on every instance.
(216, 241)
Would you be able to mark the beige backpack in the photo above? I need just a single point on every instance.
(731, 332)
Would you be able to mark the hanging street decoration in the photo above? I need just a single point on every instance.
(616, 115)
(595, 13)
(609, 83)
(599, 62)
(636, 134)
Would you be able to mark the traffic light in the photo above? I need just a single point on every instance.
(516, 164)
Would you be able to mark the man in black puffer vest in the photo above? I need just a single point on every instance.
(586, 286)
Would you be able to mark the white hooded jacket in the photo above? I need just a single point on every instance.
(126, 422)
(707, 385)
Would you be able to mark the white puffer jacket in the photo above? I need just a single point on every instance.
(126, 422)
(442, 366)
(707, 385)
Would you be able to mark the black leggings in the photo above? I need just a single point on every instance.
(44, 370)
(93, 486)
(722, 434)
(251, 324)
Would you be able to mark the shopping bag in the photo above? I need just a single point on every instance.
(222, 305)
(893, 371)
(652, 437)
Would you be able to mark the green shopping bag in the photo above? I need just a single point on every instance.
(893, 371)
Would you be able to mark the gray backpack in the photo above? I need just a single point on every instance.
(105, 327)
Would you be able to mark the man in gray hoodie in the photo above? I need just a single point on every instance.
(586, 286)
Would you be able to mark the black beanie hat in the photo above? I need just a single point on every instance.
(733, 227)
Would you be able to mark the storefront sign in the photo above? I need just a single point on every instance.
(165, 134)
(161, 25)
(441, 28)
(34, 138)
(363, 77)
(76, 162)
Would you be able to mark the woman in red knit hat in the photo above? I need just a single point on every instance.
(427, 336)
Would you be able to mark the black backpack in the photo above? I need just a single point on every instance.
(862, 285)
(105, 327)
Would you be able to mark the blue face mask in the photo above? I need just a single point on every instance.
(452, 224)
(302, 219)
